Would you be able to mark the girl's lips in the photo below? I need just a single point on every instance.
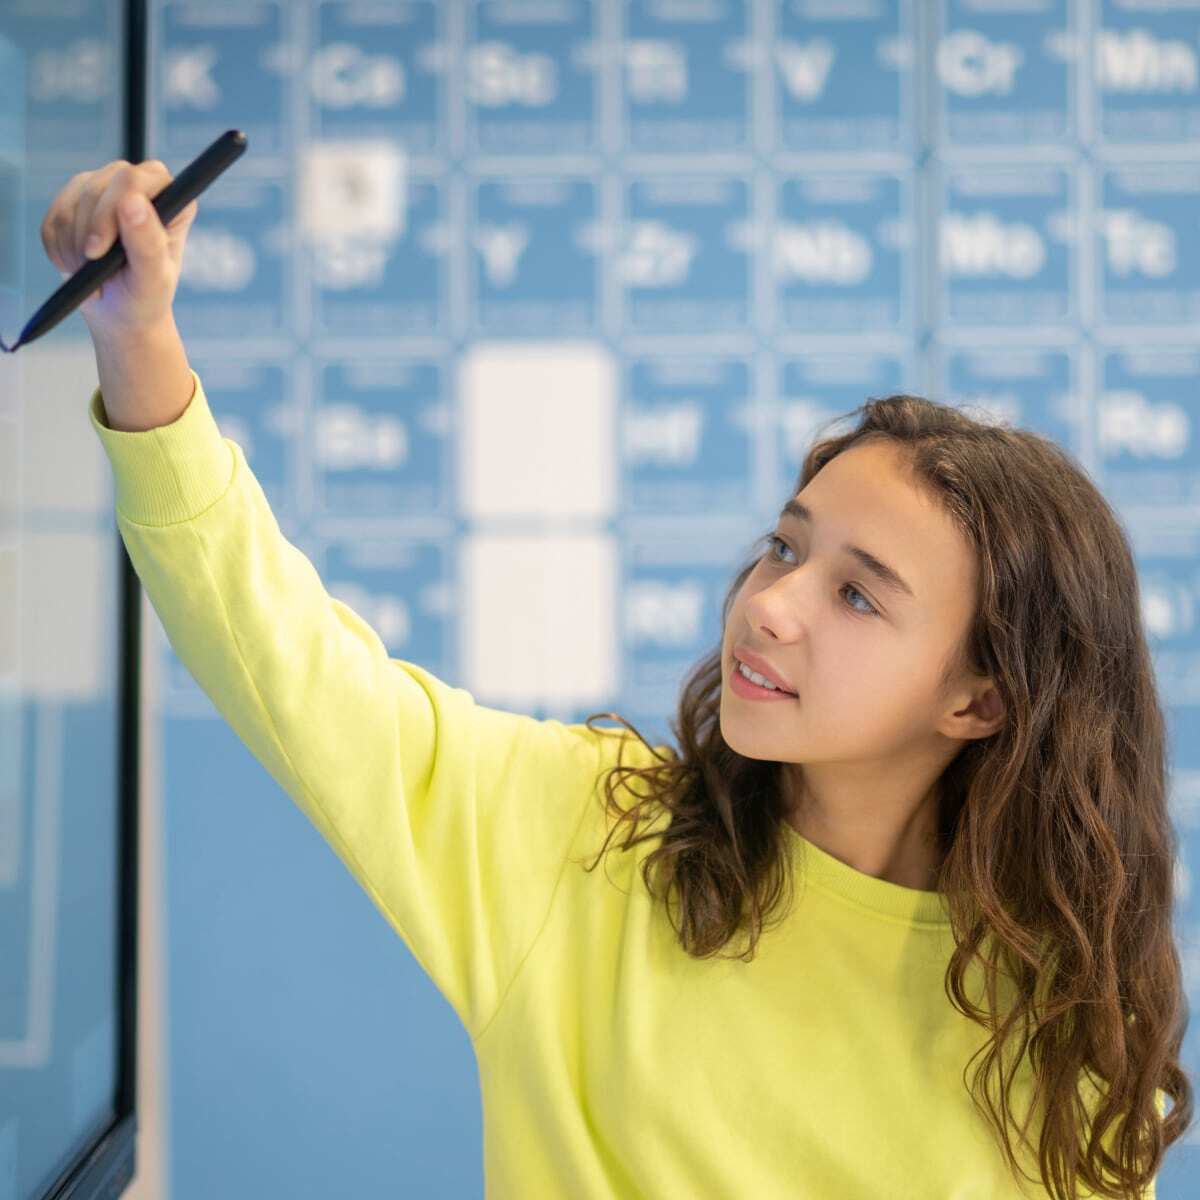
(760, 667)
(741, 686)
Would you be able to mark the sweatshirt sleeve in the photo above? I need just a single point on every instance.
(456, 819)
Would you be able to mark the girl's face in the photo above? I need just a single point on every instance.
(864, 657)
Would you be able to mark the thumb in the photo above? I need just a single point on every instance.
(142, 233)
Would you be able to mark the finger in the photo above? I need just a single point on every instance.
(148, 178)
(56, 220)
(120, 176)
(144, 239)
(83, 198)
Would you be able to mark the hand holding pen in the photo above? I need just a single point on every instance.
(102, 221)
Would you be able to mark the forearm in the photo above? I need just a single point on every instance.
(145, 380)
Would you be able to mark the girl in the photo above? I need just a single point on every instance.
(943, 836)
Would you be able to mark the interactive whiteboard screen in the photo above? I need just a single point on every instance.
(62, 95)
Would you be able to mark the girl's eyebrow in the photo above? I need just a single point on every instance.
(888, 577)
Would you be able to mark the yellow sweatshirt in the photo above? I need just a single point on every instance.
(612, 1063)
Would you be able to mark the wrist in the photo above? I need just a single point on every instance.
(145, 380)
(135, 338)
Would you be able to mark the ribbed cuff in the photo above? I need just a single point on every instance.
(169, 474)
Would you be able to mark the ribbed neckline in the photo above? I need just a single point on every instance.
(880, 896)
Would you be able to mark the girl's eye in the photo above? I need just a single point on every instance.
(870, 611)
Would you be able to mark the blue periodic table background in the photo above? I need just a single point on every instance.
(524, 315)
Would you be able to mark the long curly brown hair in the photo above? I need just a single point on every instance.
(1057, 851)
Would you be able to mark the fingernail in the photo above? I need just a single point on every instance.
(135, 209)
(92, 245)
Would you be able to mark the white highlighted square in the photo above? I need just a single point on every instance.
(538, 619)
(537, 428)
(357, 189)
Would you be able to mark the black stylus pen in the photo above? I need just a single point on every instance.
(176, 196)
